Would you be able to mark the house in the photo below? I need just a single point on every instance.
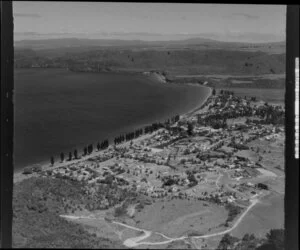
(262, 186)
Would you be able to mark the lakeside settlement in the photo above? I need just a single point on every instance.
(212, 161)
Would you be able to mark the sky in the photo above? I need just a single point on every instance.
(149, 21)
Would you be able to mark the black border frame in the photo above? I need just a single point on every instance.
(7, 122)
(291, 163)
(7, 115)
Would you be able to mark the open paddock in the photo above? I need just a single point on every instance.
(175, 217)
(265, 215)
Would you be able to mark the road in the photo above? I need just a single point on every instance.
(73, 217)
(253, 203)
(136, 241)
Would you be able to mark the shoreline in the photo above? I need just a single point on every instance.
(189, 113)
(45, 164)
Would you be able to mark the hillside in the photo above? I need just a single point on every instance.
(194, 60)
(192, 43)
(37, 203)
(173, 62)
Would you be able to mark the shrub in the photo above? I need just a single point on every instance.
(27, 170)
(233, 211)
(120, 211)
(37, 169)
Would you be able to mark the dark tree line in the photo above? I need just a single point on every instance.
(88, 149)
(62, 156)
(226, 92)
(147, 129)
(153, 127)
(119, 139)
(102, 145)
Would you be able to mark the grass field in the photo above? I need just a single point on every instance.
(177, 217)
(265, 215)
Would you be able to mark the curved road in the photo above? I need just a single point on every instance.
(136, 241)
(133, 243)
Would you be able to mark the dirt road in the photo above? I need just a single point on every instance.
(136, 241)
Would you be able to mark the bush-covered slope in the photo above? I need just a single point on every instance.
(37, 203)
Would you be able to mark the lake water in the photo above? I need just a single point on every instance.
(57, 110)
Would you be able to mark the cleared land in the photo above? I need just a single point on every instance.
(176, 217)
(268, 213)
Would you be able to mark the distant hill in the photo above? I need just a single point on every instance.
(178, 57)
(192, 43)
(173, 62)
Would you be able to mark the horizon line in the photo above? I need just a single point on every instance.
(167, 38)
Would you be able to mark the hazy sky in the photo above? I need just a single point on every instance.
(99, 18)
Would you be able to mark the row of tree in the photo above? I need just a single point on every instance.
(121, 138)
(62, 156)
(226, 92)
(147, 129)
(86, 150)
(102, 145)
(153, 127)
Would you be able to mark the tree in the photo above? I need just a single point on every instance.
(276, 238)
(75, 154)
(98, 146)
(85, 151)
(27, 170)
(214, 92)
(62, 156)
(52, 160)
(190, 129)
(192, 179)
(248, 237)
(70, 156)
(226, 242)
(90, 148)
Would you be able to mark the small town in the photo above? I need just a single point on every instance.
(212, 156)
